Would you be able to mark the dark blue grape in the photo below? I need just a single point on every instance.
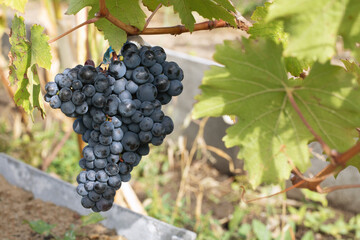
(51, 88)
(78, 126)
(77, 85)
(147, 108)
(93, 196)
(82, 163)
(81, 190)
(68, 107)
(157, 116)
(157, 141)
(87, 74)
(111, 169)
(101, 176)
(116, 121)
(129, 157)
(130, 141)
(88, 153)
(89, 165)
(168, 124)
(140, 75)
(111, 105)
(116, 148)
(100, 187)
(86, 202)
(162, 83)
(101, 83)
(101, 151)
(128, 73)
(126, 120)
(132, 87)
(65, 82)
(89, 90)
(55, 101)
(47, 97)
(156, 69)
(137, 117)
(98, 100)
(129, 47)
(100, 163)
(117, 134)
(125, 95)
(117, 69)
(82, 109)
(134, 127)
(132, 60)
(89, 185)
(172, 70)
(81, 178)
(99, 116)
(143, 150)
(58, 77)
(109, 193)
(95, 135)
(127, 108)
(78, 97)
(164, 98)
(145, 137)
(120, 85)
(126, 177)
(148, 58)
(105, 140)
(65, 94)
(115, 181)
(106, 128)
(146, 92)
(160, 54)
(158, 130)
(113, 158)
(90, 175)
(175, 88)
(146, 124)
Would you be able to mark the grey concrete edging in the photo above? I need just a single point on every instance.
(129, 224)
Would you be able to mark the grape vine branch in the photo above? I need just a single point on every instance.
(174, 30)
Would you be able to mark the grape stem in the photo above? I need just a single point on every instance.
(151, 16)
(92, 20)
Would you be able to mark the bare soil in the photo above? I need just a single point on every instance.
(18, 206)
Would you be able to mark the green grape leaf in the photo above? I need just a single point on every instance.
(313, 26)
(40, 48)
(127, 11)
(254, 86)
(18, 5)
(112, 33)
(350, 26)
(24, 56)
(352, 67)
(275, 31)
(76, 5)
(206, 8)
(151, 4)
(296, 66)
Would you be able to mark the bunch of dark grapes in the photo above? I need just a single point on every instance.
(118, 113)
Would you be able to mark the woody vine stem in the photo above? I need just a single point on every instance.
(131, 30)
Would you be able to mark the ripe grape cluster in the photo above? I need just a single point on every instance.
(118, 113)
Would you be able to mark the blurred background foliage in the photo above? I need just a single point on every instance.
(174, 184)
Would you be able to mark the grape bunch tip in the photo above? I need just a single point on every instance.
(118, 113)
